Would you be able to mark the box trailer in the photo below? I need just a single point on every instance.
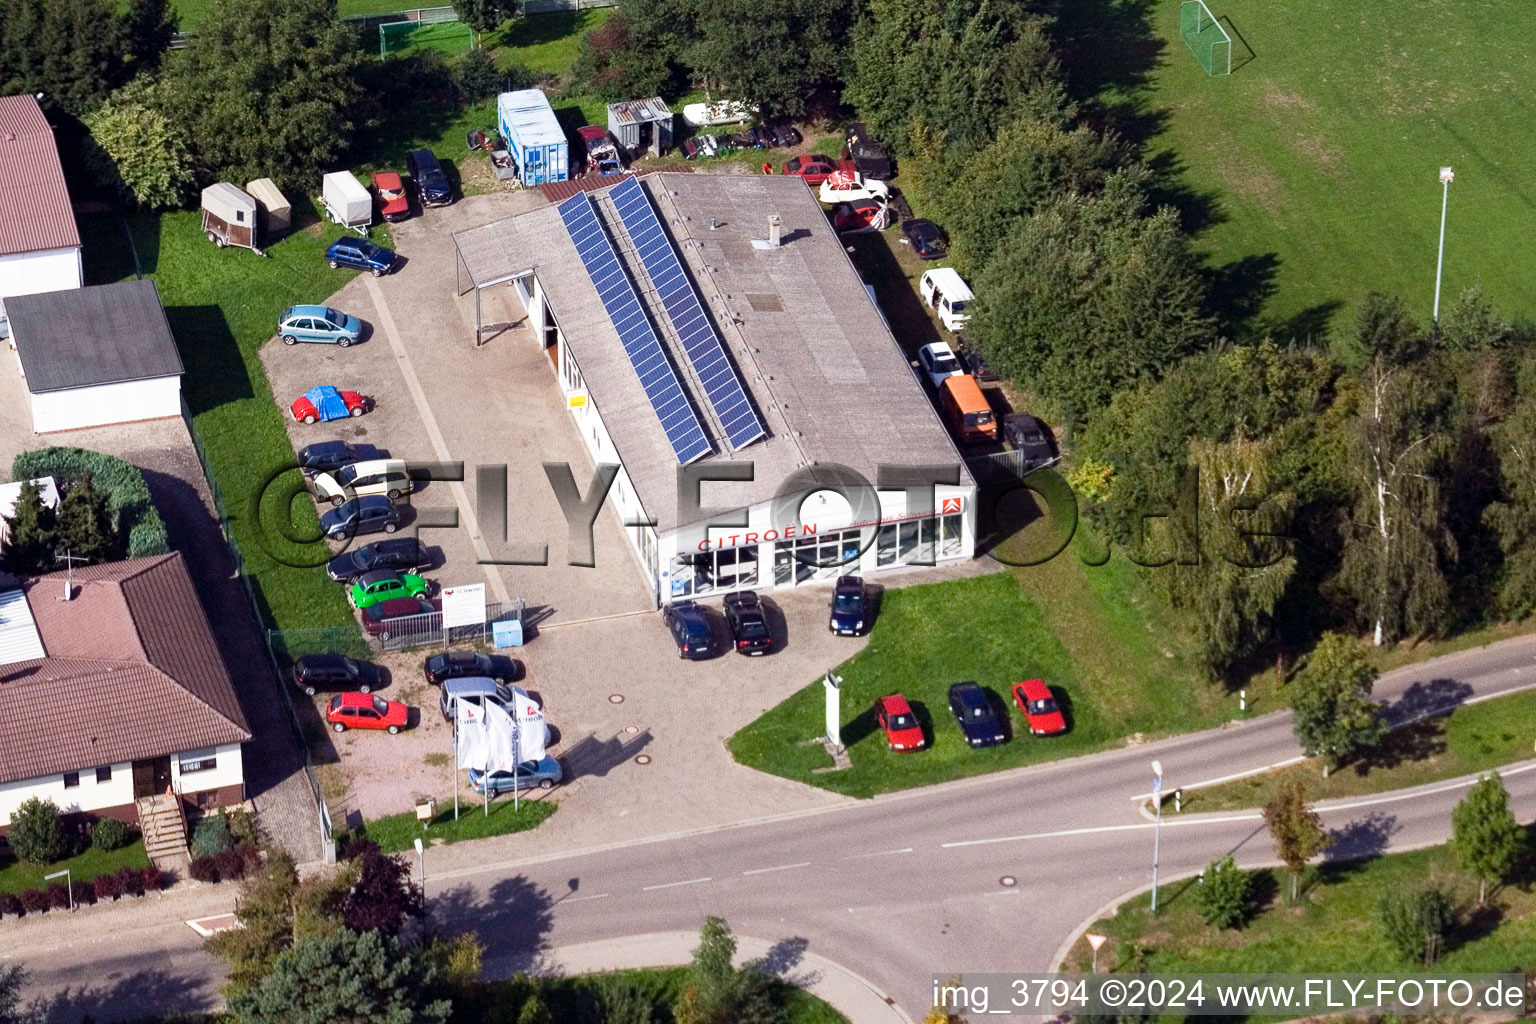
(346, 201)
(274, 214)
(229, 217)
(534, 137)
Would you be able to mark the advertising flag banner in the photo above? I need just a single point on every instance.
(472, 739)
(532, 729)
(501, 753)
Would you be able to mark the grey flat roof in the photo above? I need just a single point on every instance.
(822, 369)
(104, 334)
(495, 252)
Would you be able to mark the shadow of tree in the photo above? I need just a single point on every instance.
(1423, 699)
(147, 993)
(1362, 839)
(512, 920)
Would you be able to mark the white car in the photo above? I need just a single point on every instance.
(938, 361)
(700, 115)
(845, 188)
(388, 477)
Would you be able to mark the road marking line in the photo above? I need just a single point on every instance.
(881, 853)
(1230, 778)
(435, 435)
(1003, 892)
(668, 885)
(1104, 828)
(781, 867)
(578, 899)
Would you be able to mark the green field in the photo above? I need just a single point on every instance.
(398, 832)
(190, 13)
(1318, 158)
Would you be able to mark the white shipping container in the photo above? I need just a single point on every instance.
(346, 200)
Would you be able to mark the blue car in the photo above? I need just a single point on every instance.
(360, 254)
(371, 513)
(973, 712)
(543, 773)
(318, 324)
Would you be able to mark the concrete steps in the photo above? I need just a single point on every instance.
(165, 830)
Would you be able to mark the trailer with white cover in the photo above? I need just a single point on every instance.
(229, 217)
(346, 201)
(534, 136)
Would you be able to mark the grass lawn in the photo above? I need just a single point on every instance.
(399, 831)
(1471, 739)
(190, 13)
(1333, 929)
(1316, 162)
(449, 38)
(15, 876)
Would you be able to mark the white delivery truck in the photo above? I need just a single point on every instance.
(346, 201)
(947, 294)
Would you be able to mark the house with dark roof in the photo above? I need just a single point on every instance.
(114, 697)
(39, 243)
(96, 356)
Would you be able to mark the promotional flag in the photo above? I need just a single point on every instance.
(532, 729)
(501, 744)
(472, 746)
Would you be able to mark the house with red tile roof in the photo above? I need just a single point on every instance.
(114, 693)
(39, 243)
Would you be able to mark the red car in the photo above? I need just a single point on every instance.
(334, 404)
(365, 711)
(390, 193)
(895, 717)
(863, 215)
(1034, 699)
(813, 170)
(381, 619)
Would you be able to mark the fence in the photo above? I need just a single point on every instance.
(1000, 466)
(407, 632)
(427, 15)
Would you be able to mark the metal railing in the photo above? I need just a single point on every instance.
(1001, 465)
(398, 634)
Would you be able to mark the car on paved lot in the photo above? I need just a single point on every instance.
(360, 254)
(313, 672)
(325, 403)
(361, 516)
(364, 711)
(324, 456)
(690, 628)
(388, 477)
(427, 178)
(477, 690)
(320, 324)
(813, 169)
(543, 773)
(459, 664)
(383, 619)
(973, 712)
(863, 215)
(384, 584)
(781, 136)
(925, 237)
(894, 717)
(1029, 438)
(848, 606)
(1034, 699)
(871, 156)
(938, 361)
(389, 191)
(749, 630)
(402, 554)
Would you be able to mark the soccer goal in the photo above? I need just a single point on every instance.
(1205, 37)
(399, 38)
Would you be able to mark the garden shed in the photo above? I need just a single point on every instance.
(274, 214)
(642, 126)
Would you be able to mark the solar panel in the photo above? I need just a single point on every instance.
(702, 344)
(642, 346)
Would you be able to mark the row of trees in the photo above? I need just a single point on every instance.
(37, 534)
(75, 52)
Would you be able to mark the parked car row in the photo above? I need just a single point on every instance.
(746, 621)
(971, 707)
(780, 136)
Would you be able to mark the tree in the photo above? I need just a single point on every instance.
(148, 27)
(30, 528)
(138, 153)
(265, 911)
(13, 981)
(84, 526)
(535, 1011)
(1484, 834)
(1384, 331)
(476, 76)
(777, 54)
(35, 836)
(1512, 515)
(1413, 922)
(266, 90)
(484, 15)
(1332, 713)
(1297, 832)
(383, 897)
(615, 68)
(712, 972)
(69, 50)
(346, 978)
(623, 1002)
(1222, 894)
(1472, 322)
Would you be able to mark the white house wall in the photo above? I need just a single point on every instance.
(103, 404)
(51, 270)
(90, 795)
(230, 771)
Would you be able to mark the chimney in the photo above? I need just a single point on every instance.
(774, 224)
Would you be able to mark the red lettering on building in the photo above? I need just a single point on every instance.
(751, 538)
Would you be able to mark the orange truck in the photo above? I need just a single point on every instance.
(967, 408)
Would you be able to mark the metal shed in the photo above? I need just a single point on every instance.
(642, 126)
(229, 216)
(274, 214)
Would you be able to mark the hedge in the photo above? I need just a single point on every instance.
(133, 513)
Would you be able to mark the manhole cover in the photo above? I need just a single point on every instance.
(615, 698)
(1008, 880)
(631, 729)
(643, 759)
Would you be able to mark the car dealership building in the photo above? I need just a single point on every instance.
(712, 325)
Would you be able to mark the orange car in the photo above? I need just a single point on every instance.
(390, 193)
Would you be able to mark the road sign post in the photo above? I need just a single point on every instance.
(1095, 941)
(421, 863)
(833, 683)
(68, 884)
(1157, 830)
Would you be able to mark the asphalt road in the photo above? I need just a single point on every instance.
(897, 888)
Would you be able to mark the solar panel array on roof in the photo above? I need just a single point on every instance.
(635, 332)
(704, 348)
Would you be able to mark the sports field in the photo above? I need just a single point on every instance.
(1317, 160)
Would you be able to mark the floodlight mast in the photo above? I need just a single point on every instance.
(1446, 177)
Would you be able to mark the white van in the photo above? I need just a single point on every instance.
(947, 294)
(376, 476)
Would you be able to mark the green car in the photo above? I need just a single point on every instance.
(383, 585)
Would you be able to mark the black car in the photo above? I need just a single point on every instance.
(971, 708)
(848, 601)
(1028, 437)
(782, 136)
(427, 178)
(334, 672)
(462, 664)
(371, 513)
(867, 154)
(975, 363)
(749, 630)
(329, 456)
(402, 554)
(690, 628)
(925, 237)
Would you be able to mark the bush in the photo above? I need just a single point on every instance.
(475, 76)
(130, 881)
(34, 901)
(106, 887)
(230, 864)
(1222, 894)
(58, 896)
(204, 869)
(250, 859)
(35, 836)
(133, 513)
(242, 827)
(9, 903)
(109, 834)
(152, 878)
(1415, 921)
(211, 837)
